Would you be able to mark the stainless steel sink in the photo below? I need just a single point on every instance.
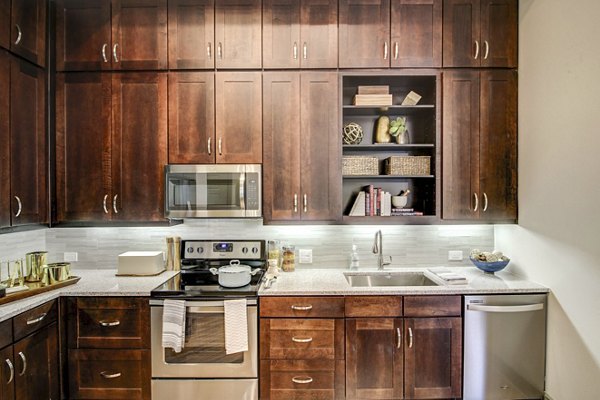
(389, 279)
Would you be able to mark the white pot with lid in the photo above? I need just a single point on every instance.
(235, 274)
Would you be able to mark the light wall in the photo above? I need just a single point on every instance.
(557, 241)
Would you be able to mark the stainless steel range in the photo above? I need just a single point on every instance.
(203, 367)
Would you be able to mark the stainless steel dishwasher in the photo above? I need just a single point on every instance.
(504, 347)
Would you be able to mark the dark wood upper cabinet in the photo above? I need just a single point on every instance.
(374, 360)
(319, 34)
(27, 144)
(5, 24)
(432, 358)
(5, 139)
(480, 33)
(83, 118)
(238, 118)
(364, 33)
(139, 146)
(7, 386)
(28, 30)
(83, 35)
(238, 34)
(192, 118)
(191, 34)
(416, 33)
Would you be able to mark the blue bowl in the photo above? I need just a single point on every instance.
(490, 267)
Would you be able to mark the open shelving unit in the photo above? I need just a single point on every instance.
(423, 123)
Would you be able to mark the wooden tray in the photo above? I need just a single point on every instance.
(37, 288)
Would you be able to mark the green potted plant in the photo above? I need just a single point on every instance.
(398, 130)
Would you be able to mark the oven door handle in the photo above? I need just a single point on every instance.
(202, 304)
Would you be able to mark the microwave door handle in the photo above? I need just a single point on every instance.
(243, 191)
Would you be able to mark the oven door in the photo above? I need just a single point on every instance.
(203, 355)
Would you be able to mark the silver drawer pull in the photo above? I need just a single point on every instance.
(104, 58)
(302, 308)
(302, 340)
(111, 323)
(36, 320)
(115, 203)
(302, 380)
(24, 359)
(12, 371)
(116, 58)
(410, 338)
(19, 34)
(399, 338)
(20, 206)
(107, 375)
(104, 204)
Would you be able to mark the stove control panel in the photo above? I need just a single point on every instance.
(223, 249)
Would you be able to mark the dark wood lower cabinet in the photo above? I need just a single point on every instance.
(7, 385)
(4, 139)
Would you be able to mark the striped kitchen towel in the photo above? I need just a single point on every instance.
(236, 326)
(173, 334)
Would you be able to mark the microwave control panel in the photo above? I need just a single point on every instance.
(252, 188)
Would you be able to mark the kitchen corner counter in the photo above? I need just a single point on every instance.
(96, 282)
(330, 282)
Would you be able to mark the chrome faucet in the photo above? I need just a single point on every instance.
(378, 249)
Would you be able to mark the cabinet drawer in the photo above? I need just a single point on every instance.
(108, 323)
(373, 306)
(432, 306)
(34, 319)
(292, 339)
(302, 379)
(302, 307)
(109, 374)
(6, 336)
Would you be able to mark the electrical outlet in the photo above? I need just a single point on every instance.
(455, 255)
(305, 256)
(70, 256)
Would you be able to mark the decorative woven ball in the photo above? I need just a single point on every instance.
(353, 133)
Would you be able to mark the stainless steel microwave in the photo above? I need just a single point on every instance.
(213, 191)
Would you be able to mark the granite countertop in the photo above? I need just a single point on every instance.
(96, 282)
(328, 282)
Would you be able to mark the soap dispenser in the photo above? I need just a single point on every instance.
(354, 261)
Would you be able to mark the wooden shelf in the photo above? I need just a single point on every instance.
(393, 220)
(387, 146)
(387, 176)
(378, 110)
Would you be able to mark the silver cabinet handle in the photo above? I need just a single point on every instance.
(36, 320)
(410, 338)
(107, 375)
(115, 204)
(209, 147)
(116, 45)
(395, 50)
(19, 34)
(295, 202)
(487, 49)
(110, 323)
(476, 49)
(305, 203)
(11, 368)
(302, 308)
(302, 340)
(209, 50)
(385, 50)
(301, 380)
(399, 338)
(305, 51)
(24, 359)
(220, 146)
(104, 204)
(295, 50)
(506, 309)
(485, 202)
(476, 202)
(104, 58)
(20, 206)
(220, 50)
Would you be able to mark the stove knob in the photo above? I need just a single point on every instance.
(244, 250)
(255, 250)
(190, 250)
(200, 250)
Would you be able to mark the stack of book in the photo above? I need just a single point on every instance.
(373, 96)
(372, 202)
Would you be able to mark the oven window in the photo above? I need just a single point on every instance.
(204, 342)
(206, 191)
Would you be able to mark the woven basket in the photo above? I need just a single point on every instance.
(408, 165)
(360, 165)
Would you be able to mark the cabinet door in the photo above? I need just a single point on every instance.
(139, 34)
(499, 23)
(191, 118)
(139, 146)
(281, 34)
(83, 41)
(5, 24)
(191, 34)
(238, 34)
(460, 144)
(320, 171)
(416, 33)
(374, 358)
(28, 144)
(239, 122)
(36, 365)
(462, 45)
(28, 30)
(364, 33)
(83, 109)
(7, 369)
(498, 145)
(5, 139)
(319, 33)
(432, 358)
(281, 144)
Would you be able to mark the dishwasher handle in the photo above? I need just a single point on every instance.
(505, 309)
